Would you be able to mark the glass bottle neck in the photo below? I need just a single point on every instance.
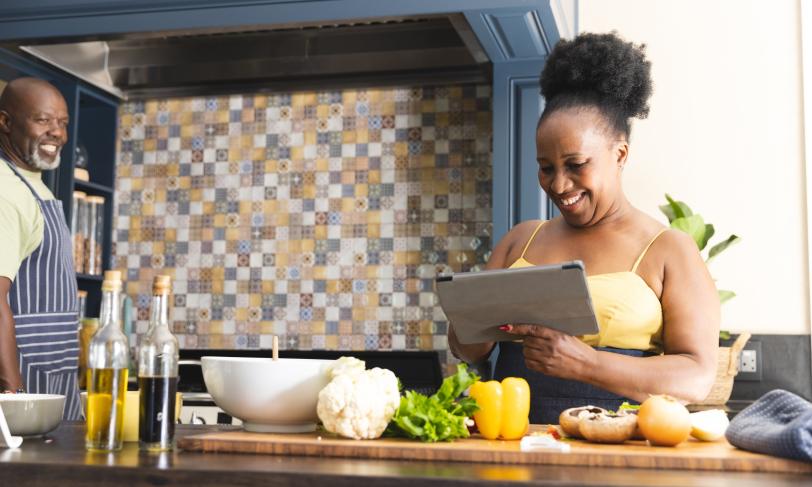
(110, 309)
(159, 313)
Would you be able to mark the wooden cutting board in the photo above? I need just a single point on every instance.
(690, 455)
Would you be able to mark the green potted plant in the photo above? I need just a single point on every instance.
(681, 217)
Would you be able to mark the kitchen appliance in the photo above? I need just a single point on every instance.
(318, 55)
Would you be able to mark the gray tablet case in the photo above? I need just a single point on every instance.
(555, 296)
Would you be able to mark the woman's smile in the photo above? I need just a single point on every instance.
(571, 202)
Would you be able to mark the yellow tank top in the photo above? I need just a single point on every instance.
(629, 313)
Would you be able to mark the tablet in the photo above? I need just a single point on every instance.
(555, 296)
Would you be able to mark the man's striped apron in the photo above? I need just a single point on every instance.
(44, 304)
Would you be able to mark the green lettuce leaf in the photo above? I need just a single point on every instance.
(439, 417)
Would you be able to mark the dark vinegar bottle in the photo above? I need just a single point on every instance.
(158, 374)
(156, 414)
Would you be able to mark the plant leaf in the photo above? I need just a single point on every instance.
(709, 231)
(725, 296)
(694, 226)
(722, 246)
(668, 212)
(678, 209)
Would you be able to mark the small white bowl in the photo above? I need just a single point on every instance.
(268, 395)
(32, 414)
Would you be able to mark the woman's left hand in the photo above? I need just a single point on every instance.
(554, 353)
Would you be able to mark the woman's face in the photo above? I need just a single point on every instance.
(580, 163)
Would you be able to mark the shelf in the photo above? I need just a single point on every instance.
(92, 187)
(89, 277)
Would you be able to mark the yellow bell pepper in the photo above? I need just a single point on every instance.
(503, 408)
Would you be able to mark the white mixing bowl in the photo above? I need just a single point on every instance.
(267, 395)
(32, 414)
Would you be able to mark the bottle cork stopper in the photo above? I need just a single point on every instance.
(112, 281)
(161, 284)
(79, 195)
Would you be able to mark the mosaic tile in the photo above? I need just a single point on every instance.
(322, 217)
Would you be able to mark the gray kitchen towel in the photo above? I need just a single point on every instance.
(779, 423)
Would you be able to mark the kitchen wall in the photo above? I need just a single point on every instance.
(319, 217)
(725, 134)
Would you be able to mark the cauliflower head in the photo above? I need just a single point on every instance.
(346, 365)
(359, 404)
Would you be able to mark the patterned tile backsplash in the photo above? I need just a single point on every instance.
(320, 217)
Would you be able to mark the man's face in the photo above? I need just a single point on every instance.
(37, 129)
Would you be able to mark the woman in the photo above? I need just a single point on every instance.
(656, 304)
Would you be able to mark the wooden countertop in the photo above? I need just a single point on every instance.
(61, 459)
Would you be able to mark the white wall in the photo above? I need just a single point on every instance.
(725, 134)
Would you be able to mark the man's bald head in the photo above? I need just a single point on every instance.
(33, 123)
(25, 90)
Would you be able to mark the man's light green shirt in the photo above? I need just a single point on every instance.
(21, 223)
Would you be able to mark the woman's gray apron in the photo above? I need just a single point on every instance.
(44, 304)
(551, 395)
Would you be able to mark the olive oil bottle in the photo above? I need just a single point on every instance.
(108, 356)
(158, 374)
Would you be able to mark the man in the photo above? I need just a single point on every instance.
(38, 307)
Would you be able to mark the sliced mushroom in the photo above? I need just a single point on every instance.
(608, 427)
(569, 419)
(638, 435)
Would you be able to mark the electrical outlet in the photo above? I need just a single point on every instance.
(750, 360)
(747, 361)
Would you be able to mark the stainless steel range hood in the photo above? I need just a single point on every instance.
(85, 60)
(438, 49)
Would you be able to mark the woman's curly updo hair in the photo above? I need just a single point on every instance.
(601, 71)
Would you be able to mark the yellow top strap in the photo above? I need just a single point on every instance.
(643, 253)
(531, 238)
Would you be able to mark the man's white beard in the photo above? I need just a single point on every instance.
(39, 163)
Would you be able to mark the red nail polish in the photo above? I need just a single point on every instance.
(506, 327)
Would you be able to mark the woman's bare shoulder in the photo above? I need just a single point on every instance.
(678, 251)
(678, 241)
(527, 227)
(522, 232)
(664, 236)
(668, 246)
(509, 247)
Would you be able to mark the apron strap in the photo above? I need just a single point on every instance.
(23, 178)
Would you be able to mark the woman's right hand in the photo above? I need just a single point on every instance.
(554, 353)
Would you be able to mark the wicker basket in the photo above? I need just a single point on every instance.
(726, 370)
